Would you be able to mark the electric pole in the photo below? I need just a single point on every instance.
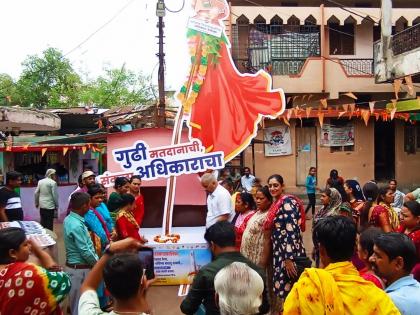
(160, 13)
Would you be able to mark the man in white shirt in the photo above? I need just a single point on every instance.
(247, 180)
(219, 206)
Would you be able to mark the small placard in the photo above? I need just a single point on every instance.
(207, 28)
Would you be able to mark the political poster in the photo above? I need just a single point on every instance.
(337, 136)
(277, 141)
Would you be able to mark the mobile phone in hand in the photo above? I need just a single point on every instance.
(147, 261)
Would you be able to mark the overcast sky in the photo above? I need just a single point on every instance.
(29, 27)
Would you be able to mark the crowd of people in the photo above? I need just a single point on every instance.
(365, 251)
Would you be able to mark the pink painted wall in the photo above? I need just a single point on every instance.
(188, 188)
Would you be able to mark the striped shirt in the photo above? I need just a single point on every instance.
(10, 200)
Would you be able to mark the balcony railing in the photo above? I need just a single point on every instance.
(406, 40)
(357, 67)
(279, 49)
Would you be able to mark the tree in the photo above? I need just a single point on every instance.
(8, 92)
(48, 81)
(119, 87)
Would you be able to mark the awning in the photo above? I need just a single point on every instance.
(405, 106)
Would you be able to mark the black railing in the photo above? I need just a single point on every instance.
(357, 67)
(406, 40)
(279, 49)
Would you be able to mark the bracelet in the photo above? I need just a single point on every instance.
(108, 250)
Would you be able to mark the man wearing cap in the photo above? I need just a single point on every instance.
(46, 198)
(87, 178)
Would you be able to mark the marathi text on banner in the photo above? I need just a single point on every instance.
(152, 163)
(277, 141)
(337, 136)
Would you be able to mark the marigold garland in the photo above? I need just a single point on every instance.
(208, 54)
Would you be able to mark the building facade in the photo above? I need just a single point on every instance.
(322, 52)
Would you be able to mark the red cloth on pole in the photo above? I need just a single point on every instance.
(228, 107)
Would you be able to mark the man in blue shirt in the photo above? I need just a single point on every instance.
(80, 252)
(394, 256)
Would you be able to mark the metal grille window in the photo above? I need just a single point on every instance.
(282, 49)
(341, 42)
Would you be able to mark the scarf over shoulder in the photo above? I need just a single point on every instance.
(336, 290)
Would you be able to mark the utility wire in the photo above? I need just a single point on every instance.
(100, 28)
(176, 11)
(48, 66)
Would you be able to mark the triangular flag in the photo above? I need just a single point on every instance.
(65, 149)
(384, 116)
(43, 151)
(25, 147)
(83, 149)
(351, 95)
(352, 107)
(324, 102)
(397, 87)
(308, 111)
(394, 103)
(377, 116)
(346, 107)
(288, 99)
(365, 115)
(371, 106)
(288, 114)
(286, 121)
(321, 118)
(296, 111)
(409, 82)
(340, 114)
(393, 111)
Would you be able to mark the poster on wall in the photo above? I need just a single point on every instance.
(277, 141)
(337, 136)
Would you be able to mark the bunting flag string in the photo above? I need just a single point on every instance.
(397, 87)
(321, 118)
(371, 106)
(351, 95)
(409, 81)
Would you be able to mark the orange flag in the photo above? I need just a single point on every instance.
(321, 118)
(377, 116)
(83, 149)
(371, 106)
(65, 149)
(286, 121)
(308, 111)
(340, 114)
(351, 95)
(289, 114)
(43, 151)
(365, 115)
(409, 82)
(397, 87)
(25, 147)
(393, 111)
(324, 102)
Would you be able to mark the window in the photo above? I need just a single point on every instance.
(341, 39)
(411, 139)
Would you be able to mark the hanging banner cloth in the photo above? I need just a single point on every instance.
(224, 106)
